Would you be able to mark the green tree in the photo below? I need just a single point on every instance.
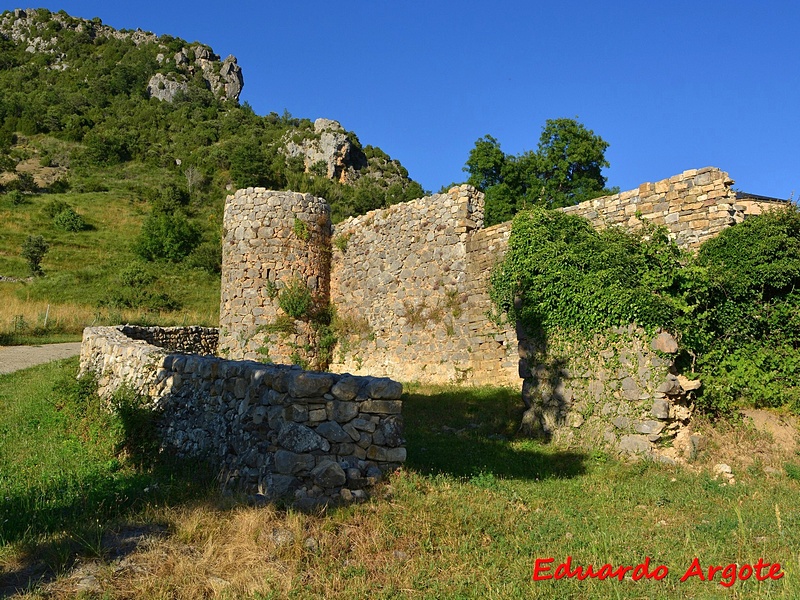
(564, 170)
(570, 159)
(33, 250)
(485, 163)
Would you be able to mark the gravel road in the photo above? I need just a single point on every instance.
(14, 358)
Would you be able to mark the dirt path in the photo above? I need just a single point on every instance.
(14, 358)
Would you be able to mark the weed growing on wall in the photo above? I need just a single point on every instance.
(295, 299)
(735, 307)
(301, 230)
(340, 241)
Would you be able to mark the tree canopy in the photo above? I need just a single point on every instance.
(565, 169)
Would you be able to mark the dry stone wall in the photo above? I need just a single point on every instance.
(616, 391)
(188, 340)
(694, 206)
(274, 430)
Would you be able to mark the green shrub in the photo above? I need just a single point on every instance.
(135, 290)
(24, 183)
(16, 198)
(54, 207)
(167, 236)
(33, 250)
(207, 256)
(295, 299)
(59, 186)
(69, 220)
(744, 327)
(735, 307)
(560, 273)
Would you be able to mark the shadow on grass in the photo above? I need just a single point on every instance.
(466, 432)
(96, 512)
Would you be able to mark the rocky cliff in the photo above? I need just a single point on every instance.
(42, 32)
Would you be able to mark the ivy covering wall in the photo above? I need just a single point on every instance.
(734, 306)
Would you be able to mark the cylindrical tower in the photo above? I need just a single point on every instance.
(276, 252)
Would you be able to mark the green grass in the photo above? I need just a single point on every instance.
(68, 467)
(82, 269)
(472, 510)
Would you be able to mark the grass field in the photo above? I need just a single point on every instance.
(467, 517)
(82, 269)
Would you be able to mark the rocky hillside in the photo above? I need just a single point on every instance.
(42, 32)
(84, 95)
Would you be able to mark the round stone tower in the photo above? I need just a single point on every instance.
(276, 252)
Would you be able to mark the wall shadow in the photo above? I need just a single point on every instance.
(468, 431)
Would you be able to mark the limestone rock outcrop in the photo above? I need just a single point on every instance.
(328, 151)
(33, 28)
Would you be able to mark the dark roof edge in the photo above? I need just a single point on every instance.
(749, 196)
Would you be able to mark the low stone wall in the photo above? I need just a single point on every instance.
(617, 391)
(189, 340)
(271, 429)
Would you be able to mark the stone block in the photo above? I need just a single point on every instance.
(664, 342)
(382, 407)
(346, 388)
(329, 475)
(299, 439)
(342, 412)
(291, 463)
(332, 432)
(635, 445)
(383, 387)
(380, 454)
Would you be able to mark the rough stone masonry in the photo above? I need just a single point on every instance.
(274, 430)
(410, 282)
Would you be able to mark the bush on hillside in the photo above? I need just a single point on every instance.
(33, 250)
(167, 236)
(135, 289)
(69, 220)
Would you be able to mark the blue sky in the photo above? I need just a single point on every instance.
(670, 85)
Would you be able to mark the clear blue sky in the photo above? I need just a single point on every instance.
(670, 85)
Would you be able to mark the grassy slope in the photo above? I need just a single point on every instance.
(82, 267)
(465, 519)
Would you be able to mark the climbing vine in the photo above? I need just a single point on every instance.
(734, 306)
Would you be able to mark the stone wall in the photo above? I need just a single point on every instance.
(694, 206)
(410, 282)
(404, 280)
(271, 429)
(617, 391)
(187, 340)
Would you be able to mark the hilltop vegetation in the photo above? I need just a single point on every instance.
(118, 148)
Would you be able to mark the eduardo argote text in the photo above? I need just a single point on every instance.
(725, 575)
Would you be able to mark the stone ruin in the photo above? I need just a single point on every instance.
(274, 431)
(409, 284)
(409, 287)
